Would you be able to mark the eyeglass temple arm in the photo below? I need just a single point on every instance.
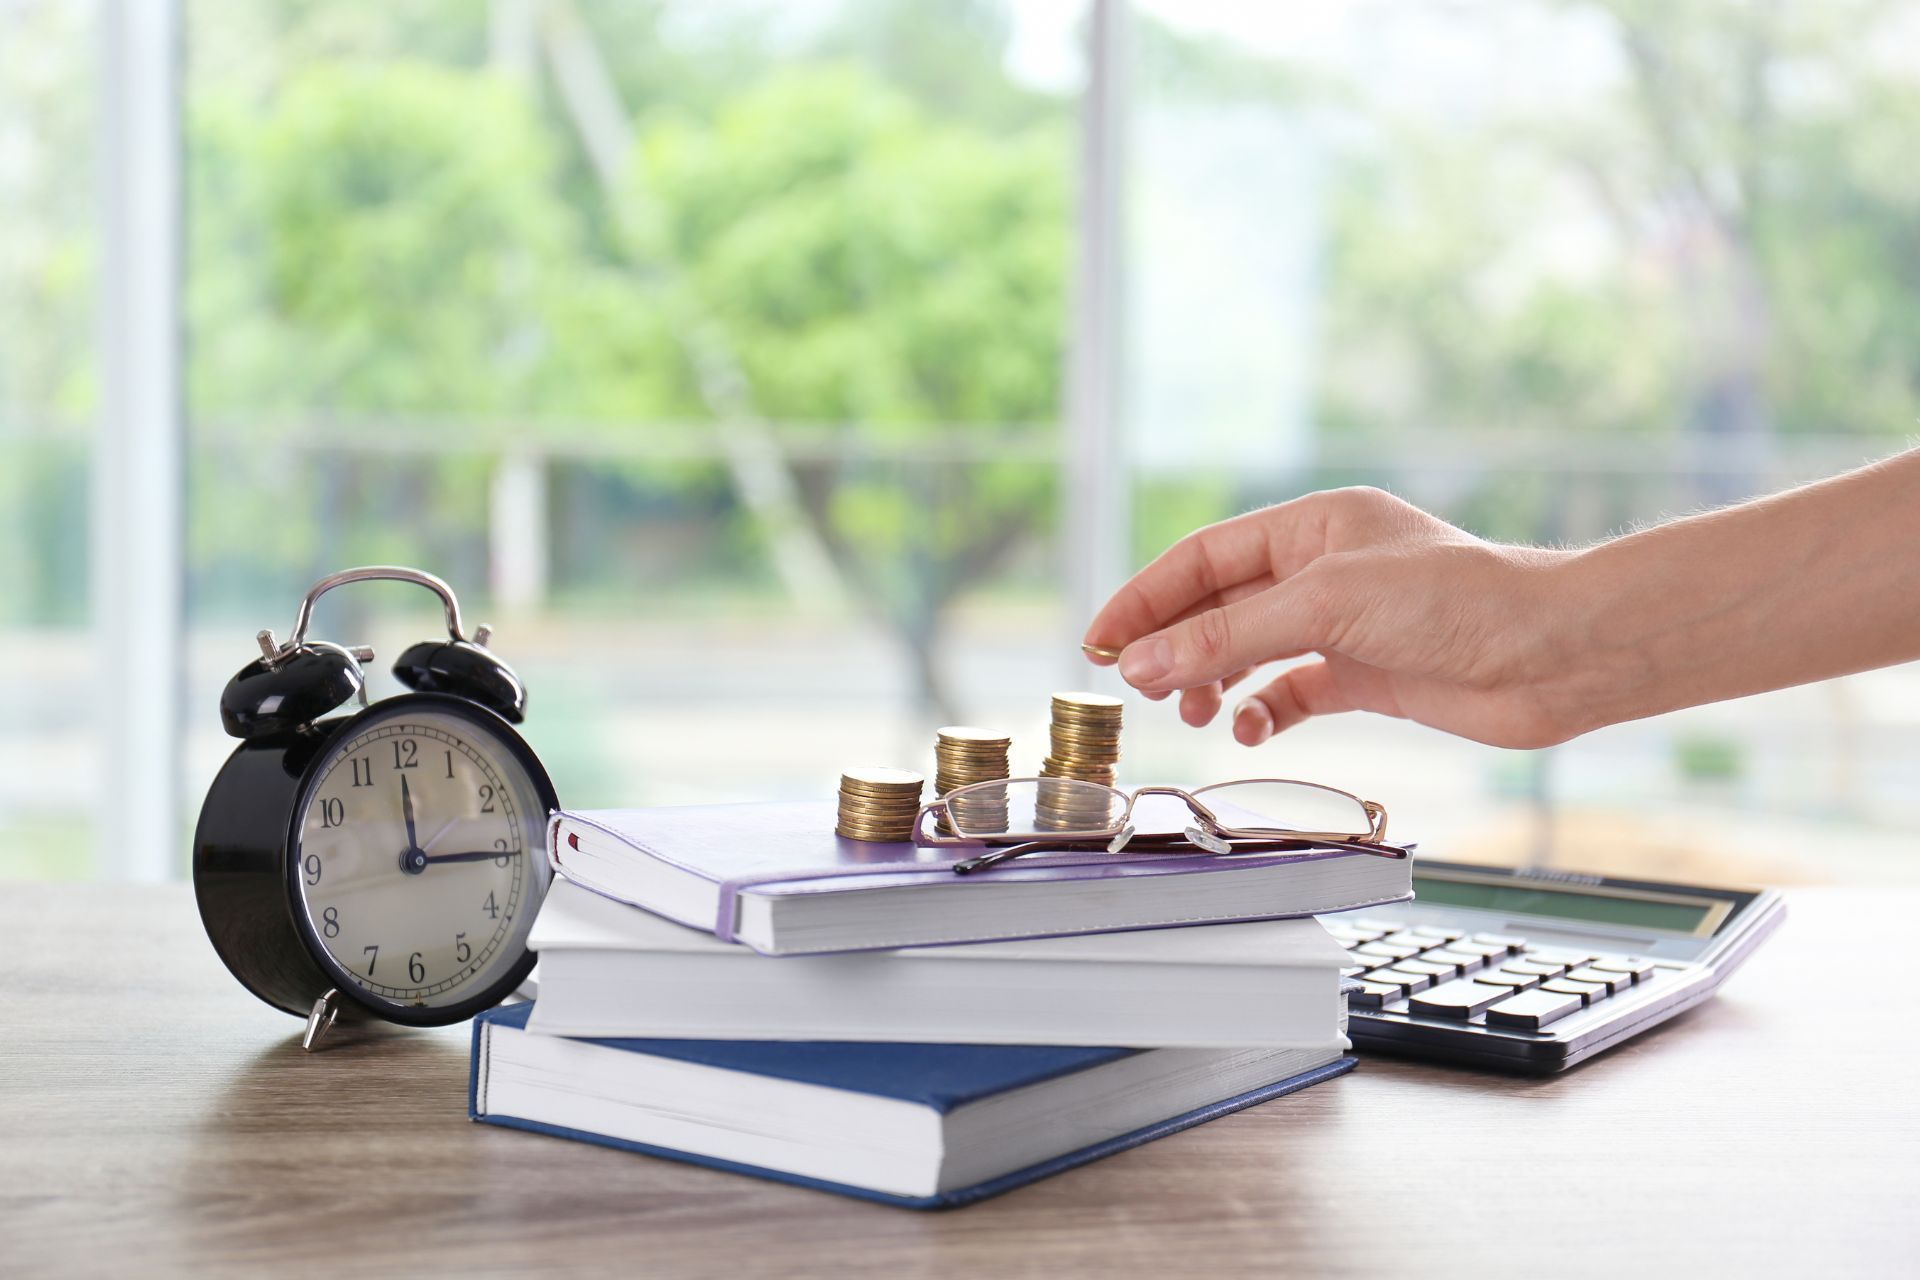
(1007, 853)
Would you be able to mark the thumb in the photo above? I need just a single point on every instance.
(1290, 618)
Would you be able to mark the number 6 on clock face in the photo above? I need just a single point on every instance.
(418, 857)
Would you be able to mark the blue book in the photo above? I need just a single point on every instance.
(923, 1126)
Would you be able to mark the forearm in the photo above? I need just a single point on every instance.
(1816, 582)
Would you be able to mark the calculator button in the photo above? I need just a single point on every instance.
(1535, 968)
(1408, 938)
(1438, 972)
(1485, 950)
(1389, 950)
(1638, 968)
(1371, 995)
(1465, 961)
(1459, 999)
(1587, 991)
(1501, 978)
(1432, 931)
(1532, 1010)
(1405, 977)
(1565, 959)
(1501, 940)
(1353, 971)
(1612, 981)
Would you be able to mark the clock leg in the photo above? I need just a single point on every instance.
(320, 1021)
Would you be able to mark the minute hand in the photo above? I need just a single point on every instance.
(473, 855)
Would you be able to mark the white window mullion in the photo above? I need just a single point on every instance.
(137, 566)
(1097, 497)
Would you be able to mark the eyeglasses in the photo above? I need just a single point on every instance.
(1018, 816)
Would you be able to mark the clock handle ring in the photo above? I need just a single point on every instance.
(372, 573)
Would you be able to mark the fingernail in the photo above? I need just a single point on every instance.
(1252, 724)
(1145, 661)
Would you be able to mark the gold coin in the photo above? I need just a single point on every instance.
(1099, 701)
(878, 777)
(966, 733)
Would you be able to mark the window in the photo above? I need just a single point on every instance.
(49, 768)
(1547, 270)
(713, 352)
(721, 355)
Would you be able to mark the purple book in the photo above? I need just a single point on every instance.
(775, 877)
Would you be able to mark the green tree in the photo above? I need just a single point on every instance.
(886, 275)
(882, 270)
(1748, 267)
(385, 241)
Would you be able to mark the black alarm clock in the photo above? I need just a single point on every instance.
(385, 864)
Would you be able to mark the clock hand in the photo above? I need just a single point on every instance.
(406, 806)
(474, 855)
(445, 827)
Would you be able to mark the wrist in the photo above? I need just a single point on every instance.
(1596, 668)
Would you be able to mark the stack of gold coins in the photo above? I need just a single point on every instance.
(878, 804)
(965, 755)
(1085, 736)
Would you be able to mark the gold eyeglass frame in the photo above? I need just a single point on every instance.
(1211, 835)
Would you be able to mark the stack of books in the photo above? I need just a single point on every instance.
(738, 987)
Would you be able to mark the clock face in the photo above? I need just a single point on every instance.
(418, 859)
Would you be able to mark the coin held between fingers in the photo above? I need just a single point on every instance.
(1101, 652)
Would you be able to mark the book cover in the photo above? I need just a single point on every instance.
(940, 1077)
(710, 856)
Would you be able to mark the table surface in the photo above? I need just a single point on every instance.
(155, 1118)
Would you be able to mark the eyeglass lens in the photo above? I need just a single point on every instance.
(1286, 806)
(1034, 805)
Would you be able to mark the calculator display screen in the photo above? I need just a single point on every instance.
(1664, 911)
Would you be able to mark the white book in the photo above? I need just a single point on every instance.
(610, 970)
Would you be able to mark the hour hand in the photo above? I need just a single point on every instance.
(406, 807)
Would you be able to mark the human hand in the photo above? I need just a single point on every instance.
(1409, 617)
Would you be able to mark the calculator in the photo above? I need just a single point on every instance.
(1534, 970)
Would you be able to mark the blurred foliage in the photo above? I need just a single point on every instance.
(870, 218)
(47, 393)
(1724, 244)
(1716, 250)
(872, 266)
(1709, 758)
(400, 257)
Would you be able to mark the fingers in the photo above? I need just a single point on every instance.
(1300, 692)
(1250, 551)
(1097, 654)
(1297, 615)
(1199, 706)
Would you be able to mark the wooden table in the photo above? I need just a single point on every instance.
(155, 1118)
